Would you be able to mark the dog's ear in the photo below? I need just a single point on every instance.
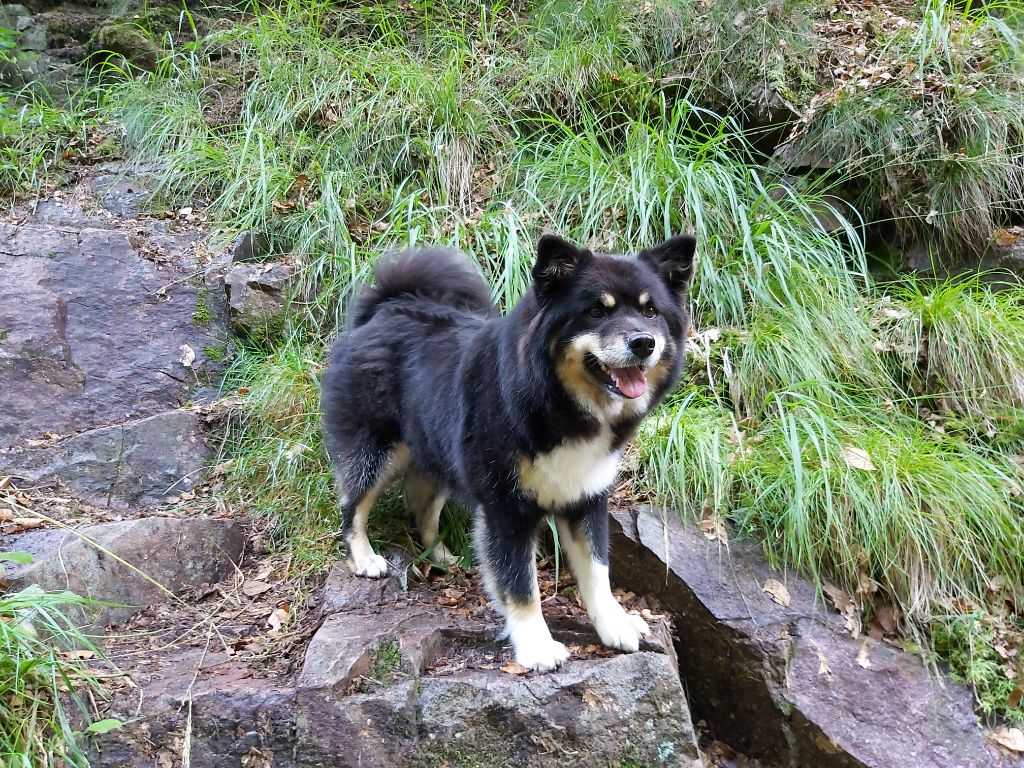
(674, 259)
(557, 261)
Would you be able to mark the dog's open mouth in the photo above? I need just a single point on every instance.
(628, 382)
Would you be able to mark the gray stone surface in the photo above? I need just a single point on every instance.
(94, 338)
(784, 683)
(257, 294)
(173, 552)
(392, 679)
(137, 463)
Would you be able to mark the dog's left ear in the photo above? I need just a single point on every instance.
(674, 259)
(557, 261)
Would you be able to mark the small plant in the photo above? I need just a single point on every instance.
(51, 676)
(202, 316)
(978, 650)
(386, 661)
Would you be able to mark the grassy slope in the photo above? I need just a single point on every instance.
(864, 433)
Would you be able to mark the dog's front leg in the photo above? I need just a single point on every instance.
(583, 536)
(505, 547)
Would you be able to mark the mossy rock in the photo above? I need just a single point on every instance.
(136, 37)
(127, 40)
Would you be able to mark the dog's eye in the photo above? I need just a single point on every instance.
(649, 311)
(597, 312)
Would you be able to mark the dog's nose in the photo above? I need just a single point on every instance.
(640, 344)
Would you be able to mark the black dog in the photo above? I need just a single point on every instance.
(519, 416)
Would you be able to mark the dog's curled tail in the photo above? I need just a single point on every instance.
(439, 275)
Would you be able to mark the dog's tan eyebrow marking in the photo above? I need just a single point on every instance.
(644, 298)
(608, 300)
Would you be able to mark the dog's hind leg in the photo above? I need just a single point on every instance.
(361, 481)
(425, 502)
(506, 550)
(583, 536)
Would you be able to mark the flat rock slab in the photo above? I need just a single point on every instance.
(93, 338)
(137, 463)
(783, 683)
(393, 678)
(124, 562)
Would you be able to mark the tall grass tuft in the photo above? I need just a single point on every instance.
(49, 681)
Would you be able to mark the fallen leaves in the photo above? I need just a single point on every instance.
(714, 529)
(279, 617)
(858, 458)
(255, 587)
(845, 604)
(1009, 738)
(1004, 238)
(777, 591)
(187, 355)
(513, 668)
(863, 654)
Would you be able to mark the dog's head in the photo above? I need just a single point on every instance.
(617, 322)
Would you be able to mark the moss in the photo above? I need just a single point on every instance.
(387, 660)
(127, 39)
(202, 315)
(216, 354)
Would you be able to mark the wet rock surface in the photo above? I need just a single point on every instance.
(394, 678)
(788, 684)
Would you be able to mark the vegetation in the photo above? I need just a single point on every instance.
(49, 680)
(865, 429)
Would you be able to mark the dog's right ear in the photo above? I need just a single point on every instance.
(557, 261)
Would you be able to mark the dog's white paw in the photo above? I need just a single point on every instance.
(372, 566)
(442, 556)
(618, 629)
(540, 654)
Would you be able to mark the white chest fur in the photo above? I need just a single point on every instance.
(572, 471)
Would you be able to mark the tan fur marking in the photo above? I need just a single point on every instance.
(608, 300)
(644, 298)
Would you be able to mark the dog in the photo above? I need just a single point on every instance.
(521, 417)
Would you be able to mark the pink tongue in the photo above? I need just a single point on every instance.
(632, 382)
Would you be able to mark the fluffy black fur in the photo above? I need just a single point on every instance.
(427, 363)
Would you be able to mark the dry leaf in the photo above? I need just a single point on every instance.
(1004, 238)
(824, 670)
(254, 587)
(858, 458)
(188, 355)
(777, 591)
(1011, 738)
(1015, 696)
(19, 524)
(714, 529)
(846, 606)
(278, 618)
(862, 654)
(514, 668)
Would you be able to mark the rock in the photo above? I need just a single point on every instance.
(1006, 252)
(257, 295)
(95, 336)
(172, 552)
(129, 40)
(124, 196)
(783, 683)
(394, 679)
(250, 247)
(137, 463)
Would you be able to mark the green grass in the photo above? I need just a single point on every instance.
(937, 147)
(51, 679)
(42, 137)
